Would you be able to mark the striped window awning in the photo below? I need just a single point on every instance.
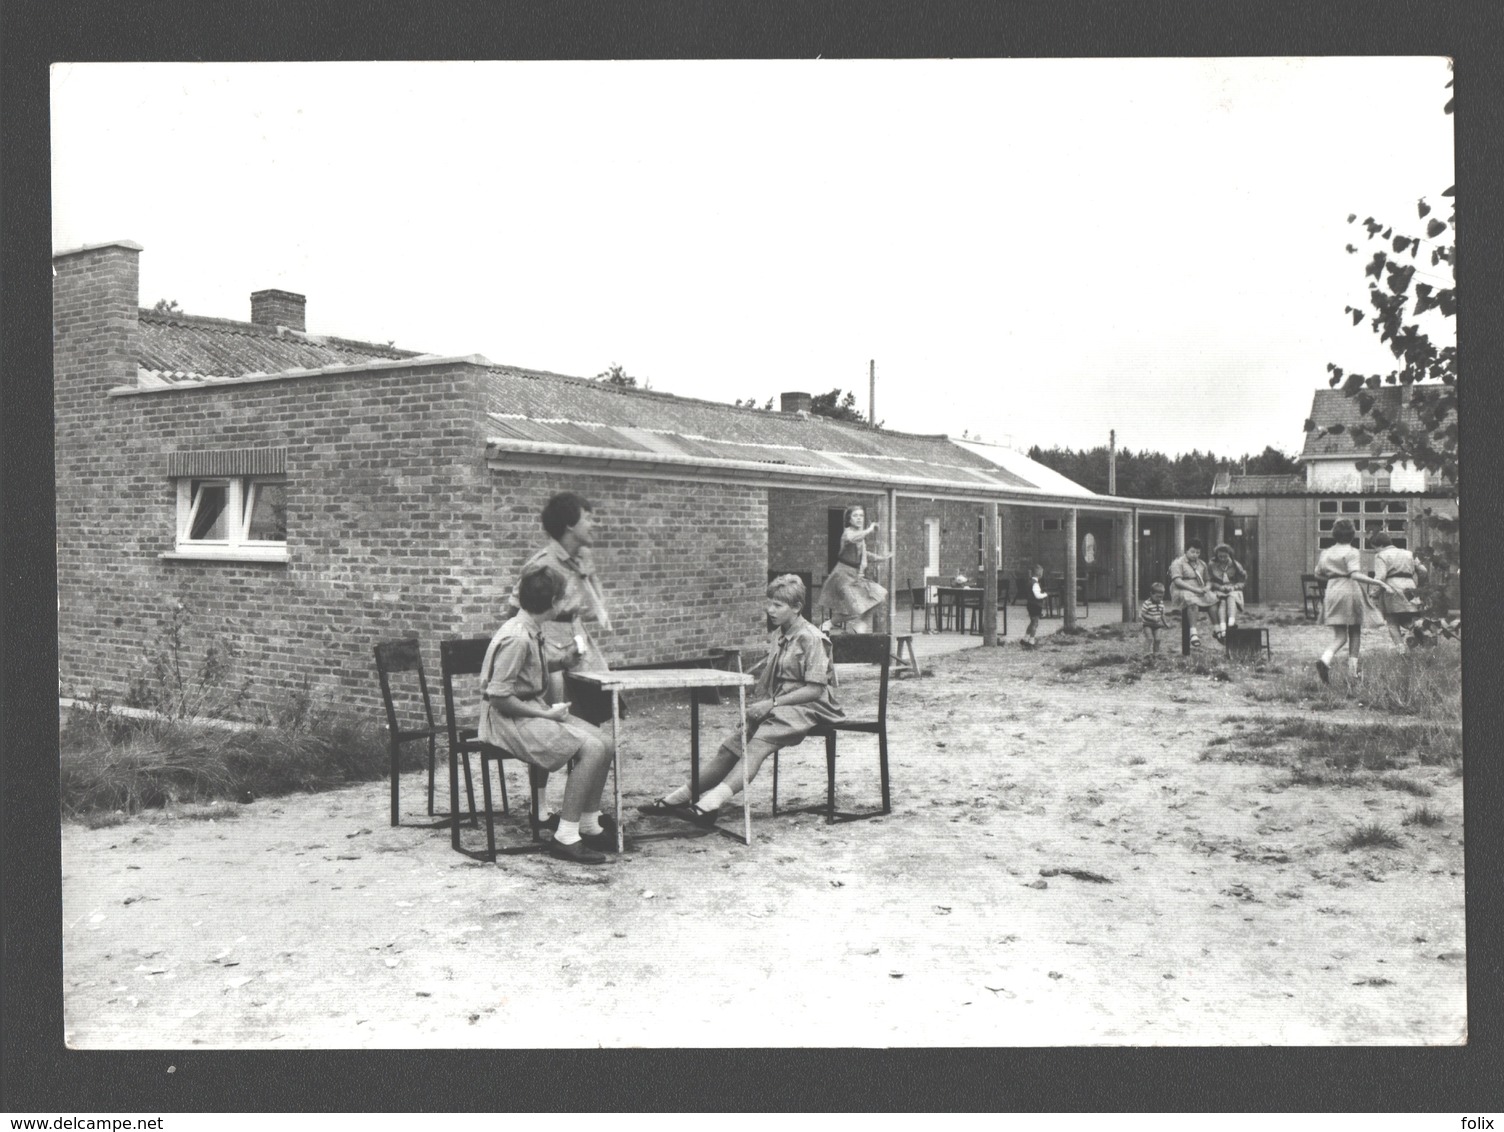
(228, 462)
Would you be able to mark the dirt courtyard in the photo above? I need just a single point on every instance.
(1228, 909)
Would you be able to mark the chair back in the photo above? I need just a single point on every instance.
(459, 656)
(866, 648)
(402, 655)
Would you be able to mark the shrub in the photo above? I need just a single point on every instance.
(1422, 815)
(1371, 836)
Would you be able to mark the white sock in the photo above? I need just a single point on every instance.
(1326, 657)
(590, 823)
(568, 832)
(679, 796)
(1352, 666)
(715, 797)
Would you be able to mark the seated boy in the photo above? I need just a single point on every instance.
(519, 718)
(791, 698)
(1152, 614)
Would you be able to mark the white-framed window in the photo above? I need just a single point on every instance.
(1368, 517)
(232, 517)
(1049, 524)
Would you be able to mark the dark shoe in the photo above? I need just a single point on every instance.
(705, 819)
(1324, 672)
(605, 840)
(578, 852)
(550, 823)
(658, 807)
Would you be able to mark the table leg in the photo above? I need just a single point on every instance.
(454, 800)
(616, 766)
(741, 698)
(694, 746)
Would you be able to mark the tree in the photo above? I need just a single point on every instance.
(1153, 475)
(167, 306)
(1428, 374)
(751, 403)
(836, 406)
(617, 375)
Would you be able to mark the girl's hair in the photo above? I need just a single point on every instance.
(1342, 531)
(846, 517)
(1219, 548)
(1037, 572)
(787, 588)
(563, 511)
(537, 590)
(1380, 539)
(1195, 544)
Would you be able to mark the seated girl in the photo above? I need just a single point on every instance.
(1190, 587)
(1227, 577)
(793, 696)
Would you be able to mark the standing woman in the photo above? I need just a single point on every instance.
(1190, 588)
(1347, 603)
(1398, 568)
(1227, 578)
(848, 592)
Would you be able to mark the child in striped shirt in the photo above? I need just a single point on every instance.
(1152, 614)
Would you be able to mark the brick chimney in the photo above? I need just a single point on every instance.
(795, 402)
(278, 308)
(96, 328)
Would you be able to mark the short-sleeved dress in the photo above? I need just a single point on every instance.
(580, 607)
(514, 666)
(1397, 566)
(799, 654)
(1183, 571)
(1347, 601)
(1233, 575)
(848, 592)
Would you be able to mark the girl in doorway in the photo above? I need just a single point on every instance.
(849, 594)
(1347, 604)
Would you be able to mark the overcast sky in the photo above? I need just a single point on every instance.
(1037, 251)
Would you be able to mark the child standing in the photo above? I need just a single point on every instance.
(790, 699)
(850, 594)
(1347, 603)
(1152, 614)
(1035, 604)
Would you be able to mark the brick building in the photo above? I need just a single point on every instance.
(304, 496)
(1285, 521)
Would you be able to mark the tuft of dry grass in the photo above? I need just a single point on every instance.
(1101, 660)
(1422, 815)
(1374, 835)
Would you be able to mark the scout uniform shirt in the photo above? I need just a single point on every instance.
(514, 666)
(580, 602)
(797, 655)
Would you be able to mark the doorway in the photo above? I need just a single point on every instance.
(1243, 537)
(1156, 534)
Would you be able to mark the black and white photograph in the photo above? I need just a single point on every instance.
(758, 553)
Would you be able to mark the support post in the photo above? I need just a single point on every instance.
(1221, 535)
(989, 573)
(891, 537)
(1126, 571)
(1179, 535)
(1070, 569)
(1187, 619)
(883, 621)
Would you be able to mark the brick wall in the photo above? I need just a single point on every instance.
(799, 531)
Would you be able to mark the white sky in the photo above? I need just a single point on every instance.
(1034, 250)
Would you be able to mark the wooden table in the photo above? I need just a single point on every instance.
(963, 598)
(648, 679)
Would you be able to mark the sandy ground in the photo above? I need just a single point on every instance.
(1229, 913)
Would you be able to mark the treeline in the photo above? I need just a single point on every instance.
(1153, 475)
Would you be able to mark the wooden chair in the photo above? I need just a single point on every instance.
(1247, 642)
(464, 656)
(918, 596)
(854, 648)
(392, 658)
(1312, 594)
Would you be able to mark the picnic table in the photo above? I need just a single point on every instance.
(657, 678)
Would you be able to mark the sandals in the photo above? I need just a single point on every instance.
(705, 819)
(661, 807)
(686, 811)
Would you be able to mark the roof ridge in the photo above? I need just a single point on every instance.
(261, 330)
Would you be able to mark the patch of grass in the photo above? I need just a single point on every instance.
(1372, 745)
(115, 763)
(1408, 785)
(1102, 660)
(1422, 815)
(1371, 836)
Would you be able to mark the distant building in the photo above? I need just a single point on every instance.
(1283, 522)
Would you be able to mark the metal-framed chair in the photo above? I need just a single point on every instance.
(1312, 594)
(918, 598)
(855, 648)
(1247, 642)
(465, 656)
(395, 657)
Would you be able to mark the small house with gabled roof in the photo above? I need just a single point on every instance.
(305, 496)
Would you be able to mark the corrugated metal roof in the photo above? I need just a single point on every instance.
(176, 348)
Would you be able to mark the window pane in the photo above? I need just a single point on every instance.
(1397, 524)
(268, 512)
(1350, 506)
(210, 521)
(1402, 543)
(1325, 524)
(1397, 506)
(1326, 542)
(1328, 505)
(1374, 505)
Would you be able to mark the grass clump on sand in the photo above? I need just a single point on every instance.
(1422, 682)
(1101, 660)
(1374, 835)
(1319, 752)
(1422, 815)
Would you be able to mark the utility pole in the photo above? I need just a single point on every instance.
(1112, 461)
(872, 392)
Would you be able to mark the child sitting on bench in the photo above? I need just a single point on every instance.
(792, 697)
